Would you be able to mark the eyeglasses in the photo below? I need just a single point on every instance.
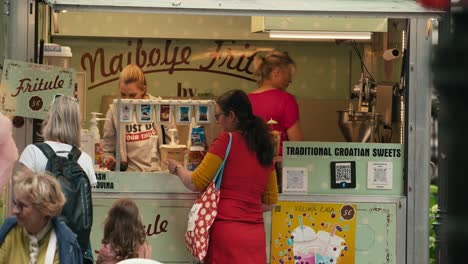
(19, 205)
(217, 115)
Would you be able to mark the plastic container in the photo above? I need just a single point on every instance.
(172, 151)
(195, 157)
(57, 55)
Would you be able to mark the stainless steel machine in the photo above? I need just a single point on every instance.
(374, 109)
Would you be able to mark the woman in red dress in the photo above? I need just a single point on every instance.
(248, 187)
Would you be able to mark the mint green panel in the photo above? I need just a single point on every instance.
(138, 182)
(276, 23)
(319, 171)
(165, 224)
(376, 233)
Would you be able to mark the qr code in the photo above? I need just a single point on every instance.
(343, 172)
(295, 180)
(380, 175)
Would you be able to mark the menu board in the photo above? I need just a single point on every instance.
(28, 89)
(314, 233)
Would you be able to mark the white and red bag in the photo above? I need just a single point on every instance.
(203, 214)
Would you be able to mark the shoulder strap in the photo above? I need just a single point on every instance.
(74, 154)
(46, 149)
(50, 253)
(219, 174)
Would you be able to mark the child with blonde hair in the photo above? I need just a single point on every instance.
(124, 234)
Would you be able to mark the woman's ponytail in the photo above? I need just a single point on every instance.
(259, 139)
(253, 128)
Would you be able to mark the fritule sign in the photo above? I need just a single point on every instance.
(170, 58)
(30, 86)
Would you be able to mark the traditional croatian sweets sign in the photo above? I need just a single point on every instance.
(28, 89)
(314, 233)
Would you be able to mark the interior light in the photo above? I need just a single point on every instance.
(320, 35)
(63, 11)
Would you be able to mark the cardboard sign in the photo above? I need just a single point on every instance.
(27, 89)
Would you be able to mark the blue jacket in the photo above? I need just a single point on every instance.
(69, 250)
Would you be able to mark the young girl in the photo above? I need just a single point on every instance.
(124, 234)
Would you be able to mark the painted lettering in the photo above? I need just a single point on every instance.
(92, 63)
(157, 228)
(28, 86)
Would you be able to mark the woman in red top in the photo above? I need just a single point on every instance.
(249, 182)
(270, 100)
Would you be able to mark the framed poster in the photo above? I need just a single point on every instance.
(294, 180)
(184, 114)
(145, 113)
(379, 175)
(165, 113)
(126, 113)
(203, 114)
(308, 232)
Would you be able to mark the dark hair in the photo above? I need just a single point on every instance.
(265, 64)
(253, 128)
(123, 229)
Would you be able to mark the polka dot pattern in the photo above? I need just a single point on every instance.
(197, 239)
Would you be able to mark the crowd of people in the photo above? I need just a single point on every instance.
(43, 230)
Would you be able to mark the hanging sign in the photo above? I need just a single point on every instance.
(27, 89)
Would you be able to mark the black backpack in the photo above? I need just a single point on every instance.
(77, 212)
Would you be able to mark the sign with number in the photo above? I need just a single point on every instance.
(313, 233)
(27, 89)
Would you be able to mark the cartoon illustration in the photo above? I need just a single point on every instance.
(312, 233)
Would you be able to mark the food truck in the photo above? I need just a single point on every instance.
(356, 190)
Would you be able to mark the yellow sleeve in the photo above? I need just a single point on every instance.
(270, 196)
(5, 250)
(205, 172)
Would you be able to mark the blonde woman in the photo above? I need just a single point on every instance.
(135, 143)
(271, 100)
(61, 131)
(28, 236)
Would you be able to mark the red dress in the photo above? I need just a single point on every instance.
(238, 234)
(278, 105)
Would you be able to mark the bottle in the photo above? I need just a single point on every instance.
(94, 131)
(155, 164)
(195, 156)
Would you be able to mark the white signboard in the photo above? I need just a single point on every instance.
(379, 175)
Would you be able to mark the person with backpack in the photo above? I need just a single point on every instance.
(34, 234)
(60, 156)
